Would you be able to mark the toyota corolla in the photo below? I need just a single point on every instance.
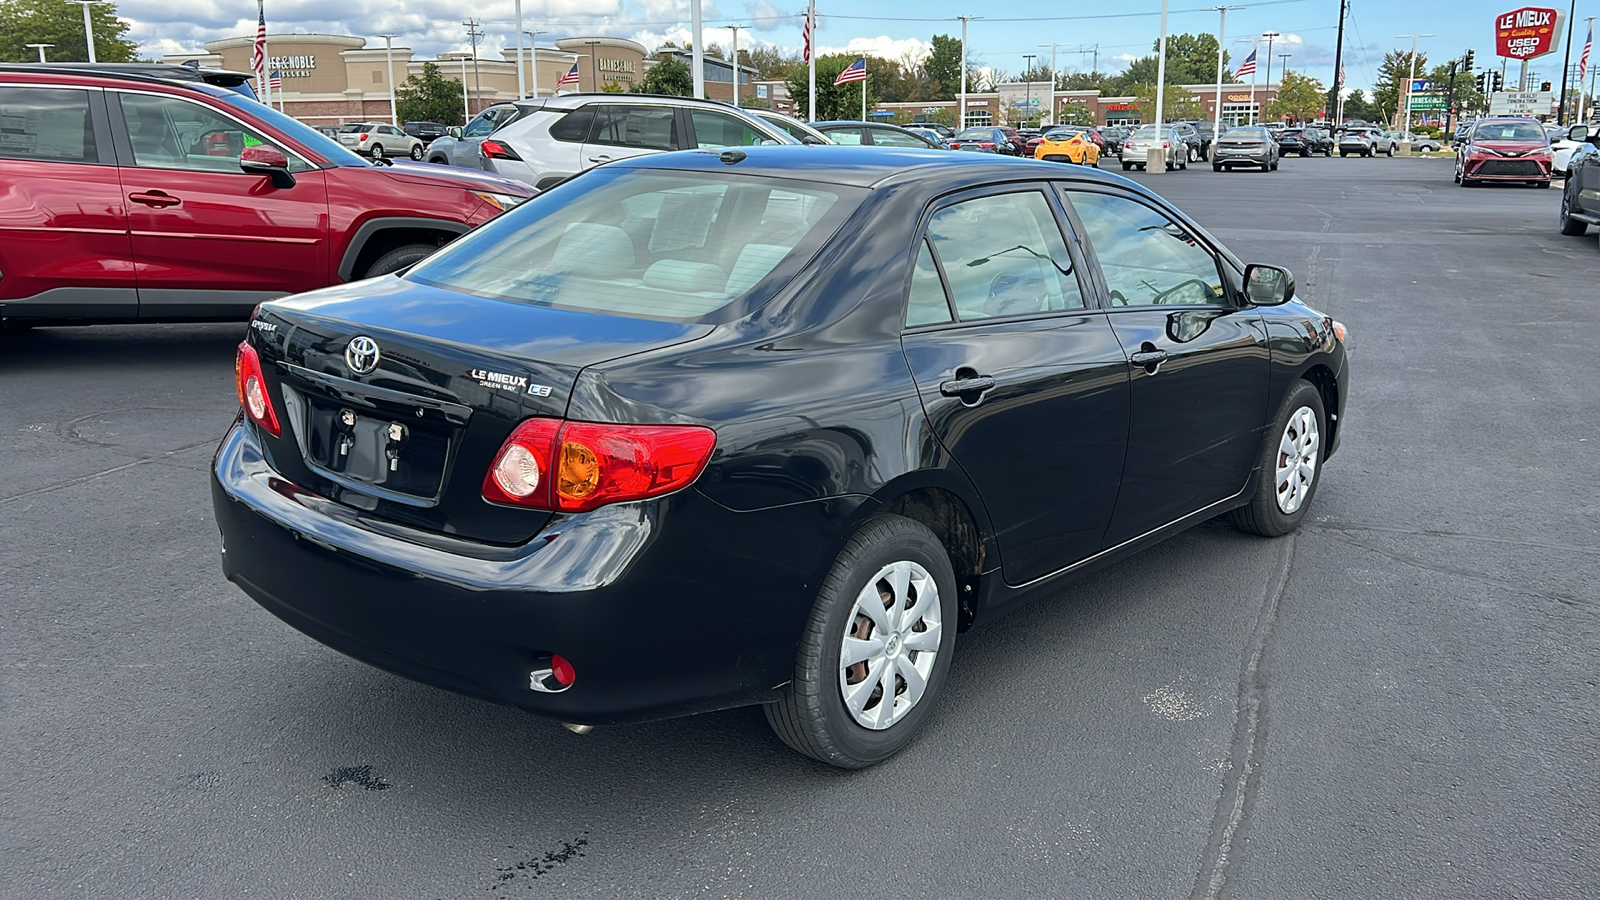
(762, 426)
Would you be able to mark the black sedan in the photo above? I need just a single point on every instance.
(984, 140)
(762, 426)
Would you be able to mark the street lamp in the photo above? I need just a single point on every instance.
(533, 58)
(88, 29)
(1267, 87)
(963, 105)
(388, 55)
(41, 48)
(735, 29)
(1406, 126)
(1222, 28)
(594, 66)
(1027, 84)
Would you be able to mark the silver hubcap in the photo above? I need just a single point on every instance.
(890, 641)
(1297, 460)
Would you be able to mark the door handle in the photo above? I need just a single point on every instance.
(1149, 356)
(602, 158)
(158, 199)
(969, 389)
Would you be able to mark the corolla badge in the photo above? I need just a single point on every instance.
(362, 354)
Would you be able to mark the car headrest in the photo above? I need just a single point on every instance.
(686, 277)
(590, 249)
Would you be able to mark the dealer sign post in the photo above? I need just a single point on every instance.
(1527, 33)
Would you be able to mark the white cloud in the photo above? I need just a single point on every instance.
(882, 47)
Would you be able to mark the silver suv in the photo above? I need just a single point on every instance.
(460, 146)
(556, 138)
(378, 140)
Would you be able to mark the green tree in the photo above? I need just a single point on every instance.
(1466, 96)
(1090, 81)
(58, 22)
(833, 102)
(1392, 76)
(943, 68)
(668, 76)
(429, 97)
(1191, 59)
(1357, 106)
(1177, 103)
(1300, 98)
(770, 62)
(1075, 114)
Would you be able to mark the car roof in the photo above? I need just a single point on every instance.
(181, 76)
(866, 167)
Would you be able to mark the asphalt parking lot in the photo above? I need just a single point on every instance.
(1398, 701)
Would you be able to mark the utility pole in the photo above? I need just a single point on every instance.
(962, 108)
(1583, 114)
(735, 29)
(1281, 75)
(1406, 125)
(474, 35)
(1566, 64)
(388, 57)
(1266, 87)
(811, 60)
(39, 47)
(1222, 27)
(1027, 83)
(533, 59)
(521, 85)
(1090, 48)
(594, 66)
(1338, 66)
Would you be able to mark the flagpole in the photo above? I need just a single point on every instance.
(863, 87)
(811, 64)
(266, 53)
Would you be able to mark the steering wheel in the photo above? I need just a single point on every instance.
(1191, 292)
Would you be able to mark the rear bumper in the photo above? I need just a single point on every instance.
(1225, 159)
(664, 608)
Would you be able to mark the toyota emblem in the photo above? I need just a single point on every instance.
(362, 355)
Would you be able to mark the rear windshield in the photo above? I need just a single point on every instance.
(651, 243)
(354, 126)
(1245, 134)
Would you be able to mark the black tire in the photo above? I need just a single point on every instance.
(1262, 515)
(398, 259)
(1127, 166)
(376, 151)
(1390, 151)
(1274, 167)
(438, 161)
(1569, 226)
(811, 717)
(1216, 168)
(416, 152)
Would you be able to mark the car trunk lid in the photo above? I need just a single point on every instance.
(398, 396)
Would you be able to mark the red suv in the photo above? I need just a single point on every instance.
(127, 197)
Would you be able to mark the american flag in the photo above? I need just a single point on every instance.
(856, 71)
(805, 34)
(258, 56)
(1248, 67)
(1583, 61)
(570, 78)
(275, 81)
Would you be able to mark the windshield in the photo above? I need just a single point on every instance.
(643, 242)
(304, 134)
(1509, 131)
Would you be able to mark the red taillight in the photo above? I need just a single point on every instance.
(986, 145)
(578, 466)
(497, 150)
(363, 135)
(252, 387)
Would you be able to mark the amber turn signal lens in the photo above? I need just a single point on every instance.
(579, 475)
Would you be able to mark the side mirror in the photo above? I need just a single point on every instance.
(455, 132)
(1578, 133)
(810, 141)
(1267, 285)
(269, 161)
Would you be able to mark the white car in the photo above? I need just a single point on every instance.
(557, 138)
(378, 140)
(1561, 149)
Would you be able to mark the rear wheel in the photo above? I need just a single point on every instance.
(1127, 166)
(377, 151)
(876, 649)
(398, 259)
(1569, 226)
(1290, 465)
(1216, 168)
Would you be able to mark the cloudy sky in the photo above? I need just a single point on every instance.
(1116, 32)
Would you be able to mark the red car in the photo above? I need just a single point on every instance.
(1504, 149)
(130, 197)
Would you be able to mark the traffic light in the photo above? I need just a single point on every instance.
(1499, 81)
(1466, 62)
(1544, 85)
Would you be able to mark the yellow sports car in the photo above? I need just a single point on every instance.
(1067, 146)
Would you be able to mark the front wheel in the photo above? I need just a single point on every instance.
(416, 152)
(1290, 464)
(399, 258)
(1127, 166)
(1390, 151)
(1569, 226)
(876, 649)
(1216, 168)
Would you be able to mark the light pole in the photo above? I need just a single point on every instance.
(522, 86)
(88, 29)
(1027, 84)
(735, 29)
(594, 66)
(388, 56)
(1161, 86)
(1054, 78)
(1222, 28)
(1586, 102)
(962, 122)
(697, 53)
(533, 58)
(1267, 86)
(41, 48)
(1406, 125)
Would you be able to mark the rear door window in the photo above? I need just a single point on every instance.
(714, 129)
(574, 127)
(1003, 255)
(638, 127)
(47, 124)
